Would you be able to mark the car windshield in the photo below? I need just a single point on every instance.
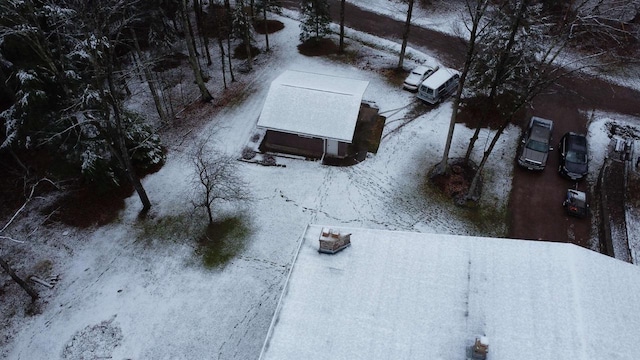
(576, 157)
(536, 145)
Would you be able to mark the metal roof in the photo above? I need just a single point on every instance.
(315, 105)
(439, 77)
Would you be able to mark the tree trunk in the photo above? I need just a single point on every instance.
(205, 96)
(222, 54)
(233, 77)
(405, 35)
(149, 79)
(197, 8)
(474, 192)
(266, 27)
(341, 46)
(119, 148)
(246, 36)
(23, 284)
(480, 9)
(316, 9)
(247, 45)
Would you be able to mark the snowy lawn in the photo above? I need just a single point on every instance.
(139, 289)
(600, 136)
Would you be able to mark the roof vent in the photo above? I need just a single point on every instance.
(332, 241)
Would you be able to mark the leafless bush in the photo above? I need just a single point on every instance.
(248, 153)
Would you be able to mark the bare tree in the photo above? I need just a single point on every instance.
(476, 10)
(4, 264)
(215, 178)
(405, 35)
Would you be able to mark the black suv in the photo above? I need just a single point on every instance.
(574, 160)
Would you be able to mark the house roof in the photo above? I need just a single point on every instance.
(314, 105)
(400, 295)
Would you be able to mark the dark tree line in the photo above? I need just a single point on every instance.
(65, 70)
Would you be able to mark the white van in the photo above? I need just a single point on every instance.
(438, 85)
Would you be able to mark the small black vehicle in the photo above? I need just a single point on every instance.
(575, 203)
(574, 160)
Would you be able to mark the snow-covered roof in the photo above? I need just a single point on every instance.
(401, 295)
(439, 77)
(314, 105)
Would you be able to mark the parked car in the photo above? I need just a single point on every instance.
(574, 160)
(438, 85)
(575, 203)
(535, 145)
(417, 76)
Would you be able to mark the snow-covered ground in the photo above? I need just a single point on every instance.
(441, 15)
(600, 135)
(137, 288)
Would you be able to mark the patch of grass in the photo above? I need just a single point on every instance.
(166, 228)
(489, 221)
(487, 217)
(394, 75)
(222, 241)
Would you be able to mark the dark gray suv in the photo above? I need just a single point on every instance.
(535, 146)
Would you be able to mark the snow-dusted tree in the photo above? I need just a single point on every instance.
(603, 25)
(264, 6)
(67, 61)
(518, 58)
(507, 55)
(215, 178)
(405, 34)
(341, 44)
(475, 26)
(315, 20)
(36, 69)
(243, 29)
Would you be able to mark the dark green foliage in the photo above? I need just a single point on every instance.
(55, 60)
(315, 20)
(270, 5)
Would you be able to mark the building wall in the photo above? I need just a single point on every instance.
(298, 145)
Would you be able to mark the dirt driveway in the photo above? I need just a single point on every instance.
(535, 210)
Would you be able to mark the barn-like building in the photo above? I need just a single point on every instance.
(313, 115)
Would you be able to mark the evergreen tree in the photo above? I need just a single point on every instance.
(315, 20)
(66, 65)
(243, 29)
